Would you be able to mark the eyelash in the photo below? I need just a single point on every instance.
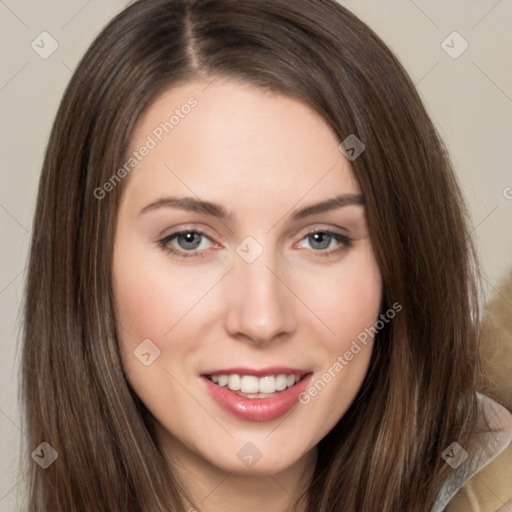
(344, 241)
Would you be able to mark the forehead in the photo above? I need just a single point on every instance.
(236, 142)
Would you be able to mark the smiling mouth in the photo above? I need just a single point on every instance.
(251, 386)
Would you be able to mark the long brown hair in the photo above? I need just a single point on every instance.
(419, 394)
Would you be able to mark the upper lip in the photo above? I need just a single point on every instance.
(261, 372)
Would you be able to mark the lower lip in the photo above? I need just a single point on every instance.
(257, 409)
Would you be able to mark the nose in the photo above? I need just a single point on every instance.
(260, 306)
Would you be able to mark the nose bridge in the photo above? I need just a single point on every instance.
(259, 307)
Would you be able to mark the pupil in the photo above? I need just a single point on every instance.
(322, 240)
(189, 240)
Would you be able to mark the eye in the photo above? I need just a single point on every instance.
(193, 243)
(322, 240)
(185, 243)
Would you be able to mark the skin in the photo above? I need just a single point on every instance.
(262, 157)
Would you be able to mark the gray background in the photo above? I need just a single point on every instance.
(468, 97)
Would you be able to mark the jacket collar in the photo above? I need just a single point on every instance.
(482, 449)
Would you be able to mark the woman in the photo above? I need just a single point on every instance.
(251, 283)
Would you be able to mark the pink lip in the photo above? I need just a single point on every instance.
(256, 409)
(271, 370)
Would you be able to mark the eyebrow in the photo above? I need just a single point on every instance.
(215, 210)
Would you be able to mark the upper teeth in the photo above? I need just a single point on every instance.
(253, 384)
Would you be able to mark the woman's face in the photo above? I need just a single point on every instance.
(271, 280)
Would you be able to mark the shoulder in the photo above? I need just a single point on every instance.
(489, 490)
(483, 480)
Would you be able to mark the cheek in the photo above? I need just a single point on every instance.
(139, 300)
(157, 301)
(349, 306)
(148, 304)
(145, 308)
(150, 298)
(346, 299)
(357, 304)
(142, 299)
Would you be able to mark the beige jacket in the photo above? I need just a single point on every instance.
(483, 483)
(481, 479)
